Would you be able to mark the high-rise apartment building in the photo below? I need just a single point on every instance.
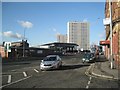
(62, 38)
(78, 32)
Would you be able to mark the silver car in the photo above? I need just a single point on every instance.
(51, 62)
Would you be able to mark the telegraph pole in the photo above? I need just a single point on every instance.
(24, 44)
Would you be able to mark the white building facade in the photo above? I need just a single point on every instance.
(78, 32)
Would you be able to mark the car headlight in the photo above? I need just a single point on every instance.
(90, 58)
(41, 64)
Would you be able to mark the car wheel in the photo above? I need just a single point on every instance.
(57, 66)
(83, 62)
(60, 64)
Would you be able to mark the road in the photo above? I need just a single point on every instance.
(71, 75)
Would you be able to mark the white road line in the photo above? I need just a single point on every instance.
(89, 67)
(36, 70)
(17, 65)
(87, 86)
(15, 82)
(90, 78)
(13, 70)
(88, 82)
(24, 73)
(9, 79)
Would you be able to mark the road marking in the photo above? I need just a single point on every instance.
(15, 82)
(36, 70)
(87, 86)
(90, 78)
(24, 73)
(9, 79)
(13, 70)
(89, 67)
(87, 73)
(88, 82)
(17, 65)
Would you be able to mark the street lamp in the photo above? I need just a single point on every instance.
(111, 55)
(24, 43)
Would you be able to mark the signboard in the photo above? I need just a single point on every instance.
(106, 42)
(7, 46)
(106, 21)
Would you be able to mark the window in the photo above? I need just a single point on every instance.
(32, 50)
(39, 51)
(118, 3)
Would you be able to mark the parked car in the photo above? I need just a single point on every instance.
(88, 57)
(51, 62)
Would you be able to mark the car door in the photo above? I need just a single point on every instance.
(58, 61)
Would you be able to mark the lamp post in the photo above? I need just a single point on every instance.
(24, 44)
(111, 55)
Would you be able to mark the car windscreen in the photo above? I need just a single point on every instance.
(87, 56)
(92, 55)
(50, 59)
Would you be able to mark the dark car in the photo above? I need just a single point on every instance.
(93, 56)
(88, 57)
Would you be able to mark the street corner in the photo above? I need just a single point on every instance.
(88, 72)
(98, 74)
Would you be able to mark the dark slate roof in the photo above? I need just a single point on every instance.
(60, 44)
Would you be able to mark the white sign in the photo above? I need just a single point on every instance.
(106, 21)
(7, 46)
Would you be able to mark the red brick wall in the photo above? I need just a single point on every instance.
(115, 43)
(107, 52)
(115, 47)
(2, 52)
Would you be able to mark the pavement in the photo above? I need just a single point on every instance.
(101, 68)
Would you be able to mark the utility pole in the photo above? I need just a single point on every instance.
(24, 44)
(111, 54)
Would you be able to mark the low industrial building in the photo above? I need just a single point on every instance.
(62, 47)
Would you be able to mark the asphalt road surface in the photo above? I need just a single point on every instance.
(71, 75)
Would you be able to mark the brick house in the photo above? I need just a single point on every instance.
(2, 51)
(116, 31)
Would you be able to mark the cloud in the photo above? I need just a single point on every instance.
(85, 20)
(12, 35)
(25, 24)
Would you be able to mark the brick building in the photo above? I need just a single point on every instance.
(2, 51)
(115, 7)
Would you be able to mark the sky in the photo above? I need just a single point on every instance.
(41, 21)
